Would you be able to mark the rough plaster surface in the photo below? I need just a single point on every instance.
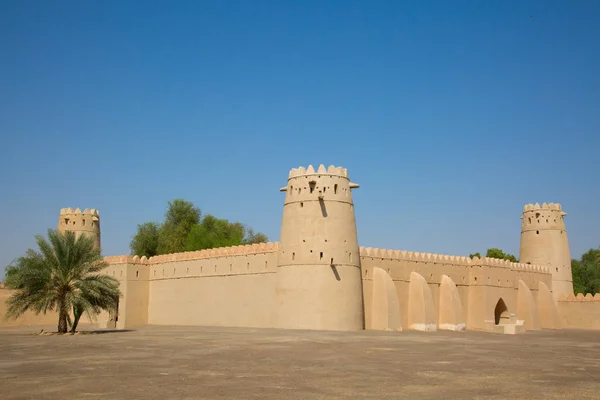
(216, 363)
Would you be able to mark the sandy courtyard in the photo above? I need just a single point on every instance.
(216, 363)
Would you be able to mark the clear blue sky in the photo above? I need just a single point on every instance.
(450, 115)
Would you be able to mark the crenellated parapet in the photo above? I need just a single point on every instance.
(544, 217)
(324, 184)
(579, 298)
(332, 170)
(446, 259)
(257, 248)
(463, 270)
(126, 259)
(413, 256)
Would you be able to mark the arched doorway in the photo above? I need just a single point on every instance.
(501, 315)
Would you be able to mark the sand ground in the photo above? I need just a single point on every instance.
(239, 363)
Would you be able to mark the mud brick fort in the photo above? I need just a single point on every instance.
(317, 276)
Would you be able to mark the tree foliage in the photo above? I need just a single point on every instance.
(586, 272)
(496, 253)
(184, 229)
(64, 275)
(145, 241)
(180, 218)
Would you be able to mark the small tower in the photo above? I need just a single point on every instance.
(82, 223)
(319, 283)
(544, 242)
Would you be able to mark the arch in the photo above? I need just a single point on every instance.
(501, 315)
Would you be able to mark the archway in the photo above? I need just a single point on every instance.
(501, 315)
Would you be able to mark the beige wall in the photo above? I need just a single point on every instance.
(32, 319)
(27, 319)
(480, 283)
(580, 312)
(216, 287)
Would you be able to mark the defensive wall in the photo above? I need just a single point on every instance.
(317, 276)
(236, 286)
(580, 312)
(229, 286)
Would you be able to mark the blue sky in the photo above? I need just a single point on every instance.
(450, 115)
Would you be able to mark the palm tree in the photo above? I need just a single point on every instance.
(63, 276)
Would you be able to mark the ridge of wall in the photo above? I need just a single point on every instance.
(332, 170)
(580, 297)
(447, 259)
(257, 248)
(87, 211)
(545, 206)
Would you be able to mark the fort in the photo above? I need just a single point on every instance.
(317, 277)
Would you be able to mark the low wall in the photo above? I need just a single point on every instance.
(30, 319)
(580, 312)
(27, 319)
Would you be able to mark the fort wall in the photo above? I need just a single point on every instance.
(480, 283)
(580, 312)
(27, 319)
(230, 286)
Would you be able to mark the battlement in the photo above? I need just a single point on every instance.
(87, 211)
(332, 170)
(446, 259)
(545, 206)
(544, 217)
(126, 259)
(257, 248)
(579, 298)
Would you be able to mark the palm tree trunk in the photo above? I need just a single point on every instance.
(77, 312)
(62, 318)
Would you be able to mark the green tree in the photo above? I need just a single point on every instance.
(497, 253)
(213, 232)
(145, 241)
(251, 237)
(586, 272)
(64, 275)
(180, 218)
(478, 255)
(185, 230)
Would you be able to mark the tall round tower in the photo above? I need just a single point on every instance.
(319, 284)
(82, 223)
(544, 242)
